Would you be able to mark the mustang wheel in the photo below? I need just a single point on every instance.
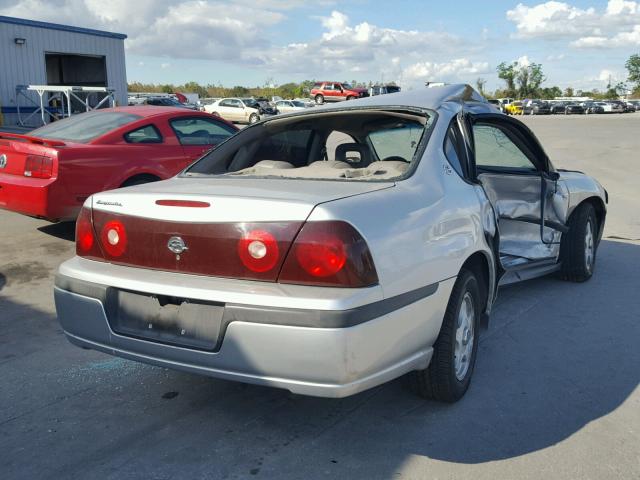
(579, 245)
(319, 99)
(454, 353)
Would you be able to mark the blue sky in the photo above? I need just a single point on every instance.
(580, 43)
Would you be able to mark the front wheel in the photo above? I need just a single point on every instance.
(454, 353)
(578, 246)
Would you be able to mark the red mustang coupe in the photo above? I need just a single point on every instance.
(50, 172)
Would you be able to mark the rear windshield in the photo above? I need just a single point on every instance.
(84, 127)
(346, 145)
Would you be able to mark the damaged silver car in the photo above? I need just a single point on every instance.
(332, 250)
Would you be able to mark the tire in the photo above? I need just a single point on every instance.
(445, 379)
(350, 97)
(319, 99)
(253, 118)
(579, 245)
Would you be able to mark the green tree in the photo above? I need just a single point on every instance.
(633, 67)
(568, 92)
(194, 87)
(508, 72)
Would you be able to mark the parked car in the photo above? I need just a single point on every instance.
(50, 172)
(167, 102)
(264, 107)
(283, 258)
(335, 92)
(536, 107)
(514, 108)
(383, 89)
(592, 107)
(288, 106)
(573, 109)
(558, 107)
(238, 110)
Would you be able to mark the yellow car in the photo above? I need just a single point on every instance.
(513, 108)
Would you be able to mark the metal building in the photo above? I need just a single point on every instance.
(41, 53)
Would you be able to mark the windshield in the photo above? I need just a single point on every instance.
(346, 86)
(250, 102)
(350, 146)
(84, 127)
(297, 104)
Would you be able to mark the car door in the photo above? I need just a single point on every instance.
(229, 109)
(197, 135)
(339, 92)
(530, 203)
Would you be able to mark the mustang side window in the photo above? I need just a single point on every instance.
(147, 134)
(200, 131)
(494, 149)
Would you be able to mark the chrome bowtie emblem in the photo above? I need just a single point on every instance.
(177, 246)
(3, 160)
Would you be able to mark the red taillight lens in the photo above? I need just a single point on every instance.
(330, 253)
(38, 166)
(321, 256)
(258, 251)
(114, 238)
(86, 245)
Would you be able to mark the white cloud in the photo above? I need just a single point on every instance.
(240, 32)
(446, 71)
(617, 25)
(165, 65)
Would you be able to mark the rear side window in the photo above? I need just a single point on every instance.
(200, 131)
(146, 134)
(84, 127)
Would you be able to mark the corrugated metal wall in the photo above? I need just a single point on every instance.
(25, 64)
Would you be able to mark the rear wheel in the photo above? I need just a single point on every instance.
(253, 118)
(578, 246)
(454, 354)
(350, 97)
(319, 99)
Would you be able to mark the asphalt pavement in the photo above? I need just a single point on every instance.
(555, 392)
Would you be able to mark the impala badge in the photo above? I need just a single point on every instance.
(3, 160)
(177, 246)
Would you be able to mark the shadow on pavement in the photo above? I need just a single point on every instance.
(557, 356)
(61, 230)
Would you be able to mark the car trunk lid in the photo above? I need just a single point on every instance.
(15, 150)
(195, 225)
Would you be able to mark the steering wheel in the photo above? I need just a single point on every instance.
(395, 158)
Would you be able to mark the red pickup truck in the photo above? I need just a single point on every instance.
(336, 92)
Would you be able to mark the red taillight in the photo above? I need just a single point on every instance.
(258, 251)
(114, 238)
(86, 245)
(38, 166)
(321, 256)
(330, 253)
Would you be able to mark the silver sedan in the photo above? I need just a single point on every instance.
(329, 251)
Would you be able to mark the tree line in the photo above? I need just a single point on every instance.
(286, 90)
(525, 81)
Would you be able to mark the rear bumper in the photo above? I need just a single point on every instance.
(321, 353)
(33, 197)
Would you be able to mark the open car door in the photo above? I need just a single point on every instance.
(530, 204)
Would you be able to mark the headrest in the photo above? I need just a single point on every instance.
(362, 149)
